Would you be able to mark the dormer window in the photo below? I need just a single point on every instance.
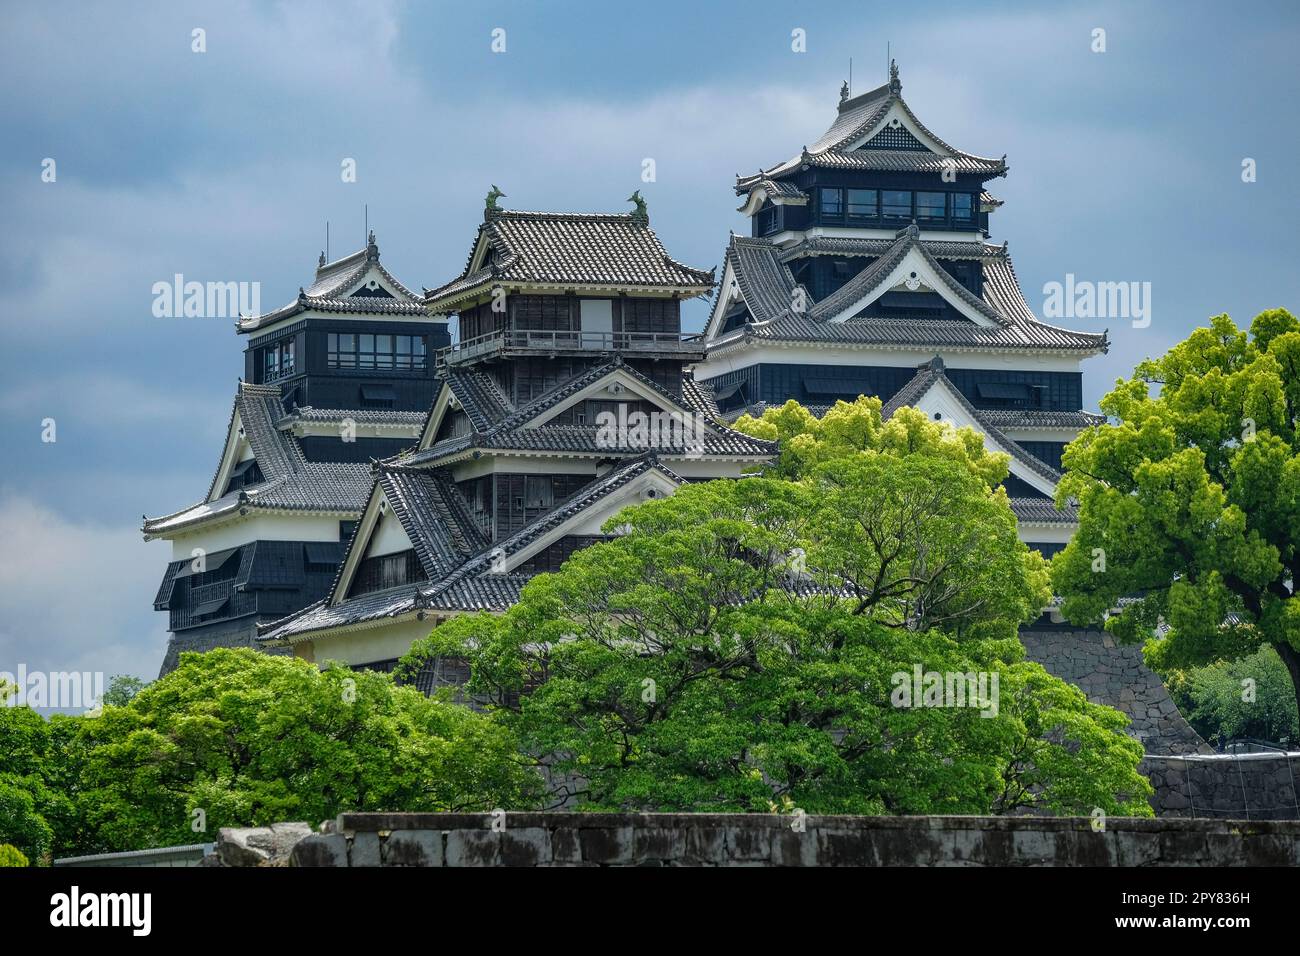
(767, 221)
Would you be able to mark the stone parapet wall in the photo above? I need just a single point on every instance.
(1259, 786)
(684, 839)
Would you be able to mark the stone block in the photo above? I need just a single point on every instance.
(472, 848)
(365, 850)
(413, 848)
(607, 845)
(320, 849)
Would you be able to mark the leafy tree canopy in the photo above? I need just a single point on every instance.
(1190, 500)
(735, 646)
(240, 738)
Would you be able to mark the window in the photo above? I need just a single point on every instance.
(862, 203)
(896, 204)
(367, 351)
(386, 571)
(277, 360)
(766, 221)
(963, 207)
(931, 206)
(832, 203)
(538, 491)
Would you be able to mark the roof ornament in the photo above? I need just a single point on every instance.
(320, 263)
(895, 85)
(844, 91)
(372, 248)
(491, 206)
(639, 214)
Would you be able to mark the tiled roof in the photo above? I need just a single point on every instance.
(329, 487)
(1026, 418)
(480, 397)
(861, 117)
(329, 292)
(547, 248)
(510, 432)
(472, 585)
(845, 246)
(434, 515)
(362, 416)
(699, 397)
(290, 482)
(765, 282)
(787, 192)
(1042, 511)
(1016, 327)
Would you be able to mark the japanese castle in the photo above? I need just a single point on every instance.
(867, 272)
(378, 477)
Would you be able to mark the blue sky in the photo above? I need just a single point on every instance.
(225, 166)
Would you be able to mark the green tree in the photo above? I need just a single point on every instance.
(1250, 697)
(1190, 501)
(238, 738)
(736, 646)
(121, 688)
(35, 802)
(11, 856)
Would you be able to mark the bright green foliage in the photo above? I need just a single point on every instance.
(34, 772)
(851, 427)
(675, 668)
(251, 739)
(11, 856)
(1193, 500)
(1250, 697)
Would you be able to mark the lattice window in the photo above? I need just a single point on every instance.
(895, 137)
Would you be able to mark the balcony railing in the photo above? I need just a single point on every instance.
(568, 340)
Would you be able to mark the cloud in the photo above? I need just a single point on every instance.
(76, 595)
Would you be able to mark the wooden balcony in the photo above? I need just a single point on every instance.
(521, 342)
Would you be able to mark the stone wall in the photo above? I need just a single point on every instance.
(1259, 786)
(684, 839)
(1116, 675)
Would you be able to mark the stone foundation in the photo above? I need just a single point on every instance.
(1115, 675)
(684, 839)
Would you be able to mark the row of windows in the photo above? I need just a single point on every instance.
(870, 205)
(370, 351)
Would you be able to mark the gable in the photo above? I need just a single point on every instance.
(898, 125)
(915, 272)
(237, 450)
(942, 402)
(618, 386)
(373, 284)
